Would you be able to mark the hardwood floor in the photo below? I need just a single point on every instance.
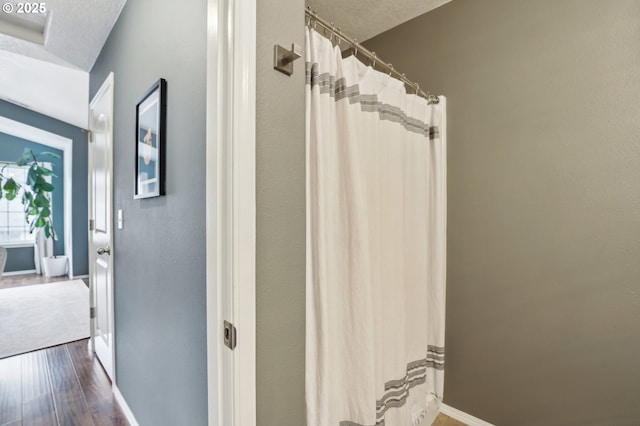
(62, 385)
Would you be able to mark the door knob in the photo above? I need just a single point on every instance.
(104, 250)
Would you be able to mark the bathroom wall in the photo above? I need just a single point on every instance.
(543, 292)
(159, 255)
(280, 221)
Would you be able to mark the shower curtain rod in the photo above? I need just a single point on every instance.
(312, 15)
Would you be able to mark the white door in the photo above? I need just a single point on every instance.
(100, 225)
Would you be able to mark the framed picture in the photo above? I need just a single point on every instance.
(151, 125)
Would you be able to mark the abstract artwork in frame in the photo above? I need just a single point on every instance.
(151, 114)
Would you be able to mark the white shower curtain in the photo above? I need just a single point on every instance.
(376, 236)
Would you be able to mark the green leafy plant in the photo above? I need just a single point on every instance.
(35, 195)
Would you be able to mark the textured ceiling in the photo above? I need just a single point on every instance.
(363, 19)
(76, 32)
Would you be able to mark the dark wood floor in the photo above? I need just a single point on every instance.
(62, 385)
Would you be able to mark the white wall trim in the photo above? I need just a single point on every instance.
(78, 277)
(19, 244)
(124, 406)
(13, 273)
(52, 140)
(462, 416)
(231, 233)
(244, 210)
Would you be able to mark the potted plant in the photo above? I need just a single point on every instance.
(36, 200)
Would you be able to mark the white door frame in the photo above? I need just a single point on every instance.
(108, 84)
(231, 210)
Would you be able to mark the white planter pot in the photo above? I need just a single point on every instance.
(55, 266)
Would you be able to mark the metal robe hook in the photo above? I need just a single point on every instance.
(283, 58)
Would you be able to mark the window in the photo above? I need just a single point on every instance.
(13, 227)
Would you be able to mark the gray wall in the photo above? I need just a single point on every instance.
(543, 290)
(160, 298)
(280, 197)
(12, 148)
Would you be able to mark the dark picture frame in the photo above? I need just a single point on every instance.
(151, 126)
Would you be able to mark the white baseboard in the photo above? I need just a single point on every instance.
(78, 277)
(462, 416)
(10, 274)
(125, 407)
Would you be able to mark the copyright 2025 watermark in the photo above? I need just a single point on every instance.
(24, 8)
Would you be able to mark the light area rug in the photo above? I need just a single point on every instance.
(38, 316)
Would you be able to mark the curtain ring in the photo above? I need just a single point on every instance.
(355, 48)
(374, 60)
(390, 69)
(417, 89)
